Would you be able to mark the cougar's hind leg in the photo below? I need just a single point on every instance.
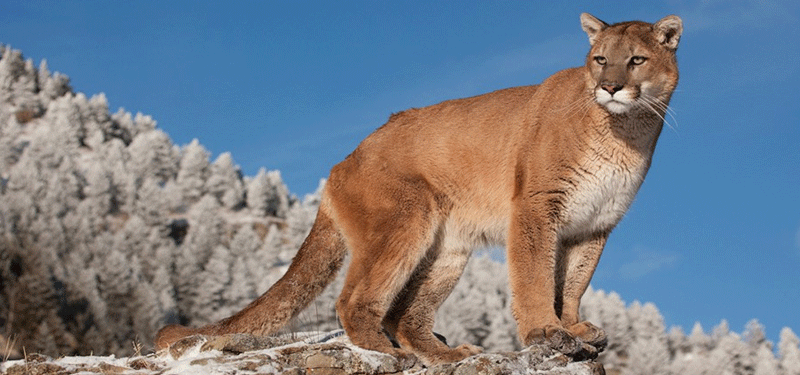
(412, 316)
(387, 243)
(379, 270)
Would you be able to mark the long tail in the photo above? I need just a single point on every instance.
(312, 269)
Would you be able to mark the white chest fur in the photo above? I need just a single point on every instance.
(603, 193)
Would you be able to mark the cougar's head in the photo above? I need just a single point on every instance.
(632, 65)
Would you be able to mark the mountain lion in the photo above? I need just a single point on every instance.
(546, 170)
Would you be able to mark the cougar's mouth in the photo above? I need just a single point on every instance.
(619, 102)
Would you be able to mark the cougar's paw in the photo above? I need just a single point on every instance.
(590, 334)
(555, 337)
(405, 358)
(172, 333)
(450, 355)
(470, 350)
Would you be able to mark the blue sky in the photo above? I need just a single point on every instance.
(715, 230)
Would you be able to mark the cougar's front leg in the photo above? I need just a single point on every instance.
(579, 262)
(532, 246)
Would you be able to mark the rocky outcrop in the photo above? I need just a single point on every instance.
(320, 354)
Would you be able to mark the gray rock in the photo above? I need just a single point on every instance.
(300, 354)
(337, 356)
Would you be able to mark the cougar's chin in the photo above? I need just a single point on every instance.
(614, 106)
(620, 102)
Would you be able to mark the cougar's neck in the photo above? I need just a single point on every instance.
(636, 129)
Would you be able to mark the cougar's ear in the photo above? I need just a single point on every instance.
(668, 31)
(592, 26)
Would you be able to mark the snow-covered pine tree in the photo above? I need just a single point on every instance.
(730, 356)
(126, 127)
(19, 85)
(258, 193)
(789, 352)
(244, 249)
(207, 228)
(765, 362)
(206, 231)
(267, 195)
(167, 312)
(92, 319)
(245, 242)
(698, 340)
(241, 290)
(51, 86)
(185, 276)
(211, 304)
(118, 277)
(193, 171)
(97, 189)
(147, 316)
(122, 184)
(151, 154)
(686, 350)
(648, 353)
(225, 182)
(760, 357)
(133, 238)
(97, 121)
(677, 342)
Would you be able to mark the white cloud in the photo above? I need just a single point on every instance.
(646, 261)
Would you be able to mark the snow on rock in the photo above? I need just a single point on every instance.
(306, 353)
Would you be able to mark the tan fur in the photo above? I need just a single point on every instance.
(547, 170)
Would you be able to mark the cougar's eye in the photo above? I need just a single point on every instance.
(638, 60)
(600, 60)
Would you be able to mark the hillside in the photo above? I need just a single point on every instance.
(110, 231)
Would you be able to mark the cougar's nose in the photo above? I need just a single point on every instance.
(611, 88)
